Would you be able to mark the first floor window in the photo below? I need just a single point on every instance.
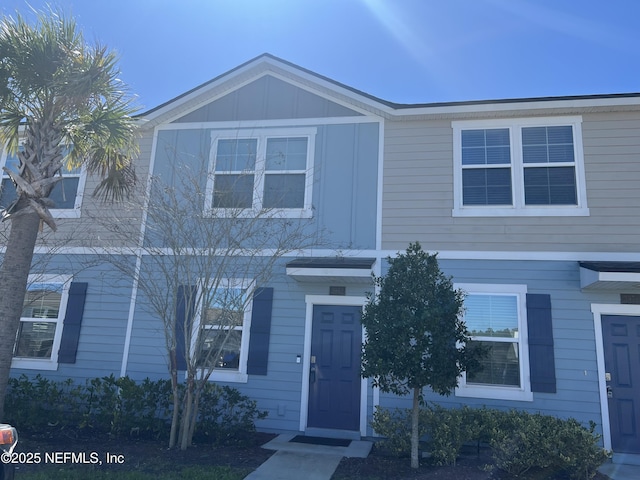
(496, 320)
(41, 320)
(493, 323)
(224, 319)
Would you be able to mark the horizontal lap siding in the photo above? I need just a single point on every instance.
(573, 330)
(95, 226)
(278, 392)
(418, 193)
(102, 332)
(281, 388)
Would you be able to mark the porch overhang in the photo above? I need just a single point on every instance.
(611, 276)
(339, 270)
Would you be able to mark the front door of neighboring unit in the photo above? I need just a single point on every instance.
(621, 337)
(334, 379)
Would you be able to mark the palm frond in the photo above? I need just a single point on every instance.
(58, 90)
(117, 185)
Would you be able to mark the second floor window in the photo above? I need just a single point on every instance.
(519, 167)
(66, 194)
(263, 170)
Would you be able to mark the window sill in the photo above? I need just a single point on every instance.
(34, 364)
(496, 393)
(263, 214)
(226, 376)
(520, 212)
(65, 213)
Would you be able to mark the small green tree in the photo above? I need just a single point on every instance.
(415, 333)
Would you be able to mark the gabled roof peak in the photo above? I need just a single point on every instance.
(380, 105)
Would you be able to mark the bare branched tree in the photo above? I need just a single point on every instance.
(197, 269)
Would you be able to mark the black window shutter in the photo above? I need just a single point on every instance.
(185, 310)
(260, 331)
(72, 322)
(541, 358)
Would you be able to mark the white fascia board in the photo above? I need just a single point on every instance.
(329, 272)
(516, 105)
(592, 278)
(346, 275)
(368, 106)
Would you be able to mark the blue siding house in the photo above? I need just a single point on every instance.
(532, 205)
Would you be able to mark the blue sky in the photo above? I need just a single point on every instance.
(405, 51)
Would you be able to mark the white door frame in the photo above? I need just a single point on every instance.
(312, 300)
(598, 310)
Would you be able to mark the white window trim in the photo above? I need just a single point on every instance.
(74, 212)
(52, 362)
(221, 375)
(517, 170)
(523, 393)
(262, 134)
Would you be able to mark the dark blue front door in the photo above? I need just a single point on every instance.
(334, 380)
(621, 337)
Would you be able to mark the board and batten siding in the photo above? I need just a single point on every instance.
(573, 334)
(418, 193)
(267, 98)
(345, 166)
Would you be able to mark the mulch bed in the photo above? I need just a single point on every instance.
(152, 455)
(471, 465)
(145, 455)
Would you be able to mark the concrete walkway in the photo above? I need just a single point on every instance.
(623, 466)
(293, 461)
(618, 471)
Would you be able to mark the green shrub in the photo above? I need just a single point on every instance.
(519, 441)
(523, 441)
(225, 416)
(449, 429)
(579, 452)
(39, 404)
(121, 407)
(395, 427)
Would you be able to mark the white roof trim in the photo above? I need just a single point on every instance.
(271, 67)
(593, 280)
(326, 275)
(367, 105)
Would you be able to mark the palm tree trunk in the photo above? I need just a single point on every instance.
(14, 274)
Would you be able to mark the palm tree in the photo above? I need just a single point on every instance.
(62, 102)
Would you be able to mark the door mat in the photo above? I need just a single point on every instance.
(329, 442)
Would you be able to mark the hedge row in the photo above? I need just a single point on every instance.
(519, 441)
(122, 407)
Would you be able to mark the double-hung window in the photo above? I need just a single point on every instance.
(41, 322)
(261, 170)
(223, 330)
(66, 194)
(496, 319)
(519, 167)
